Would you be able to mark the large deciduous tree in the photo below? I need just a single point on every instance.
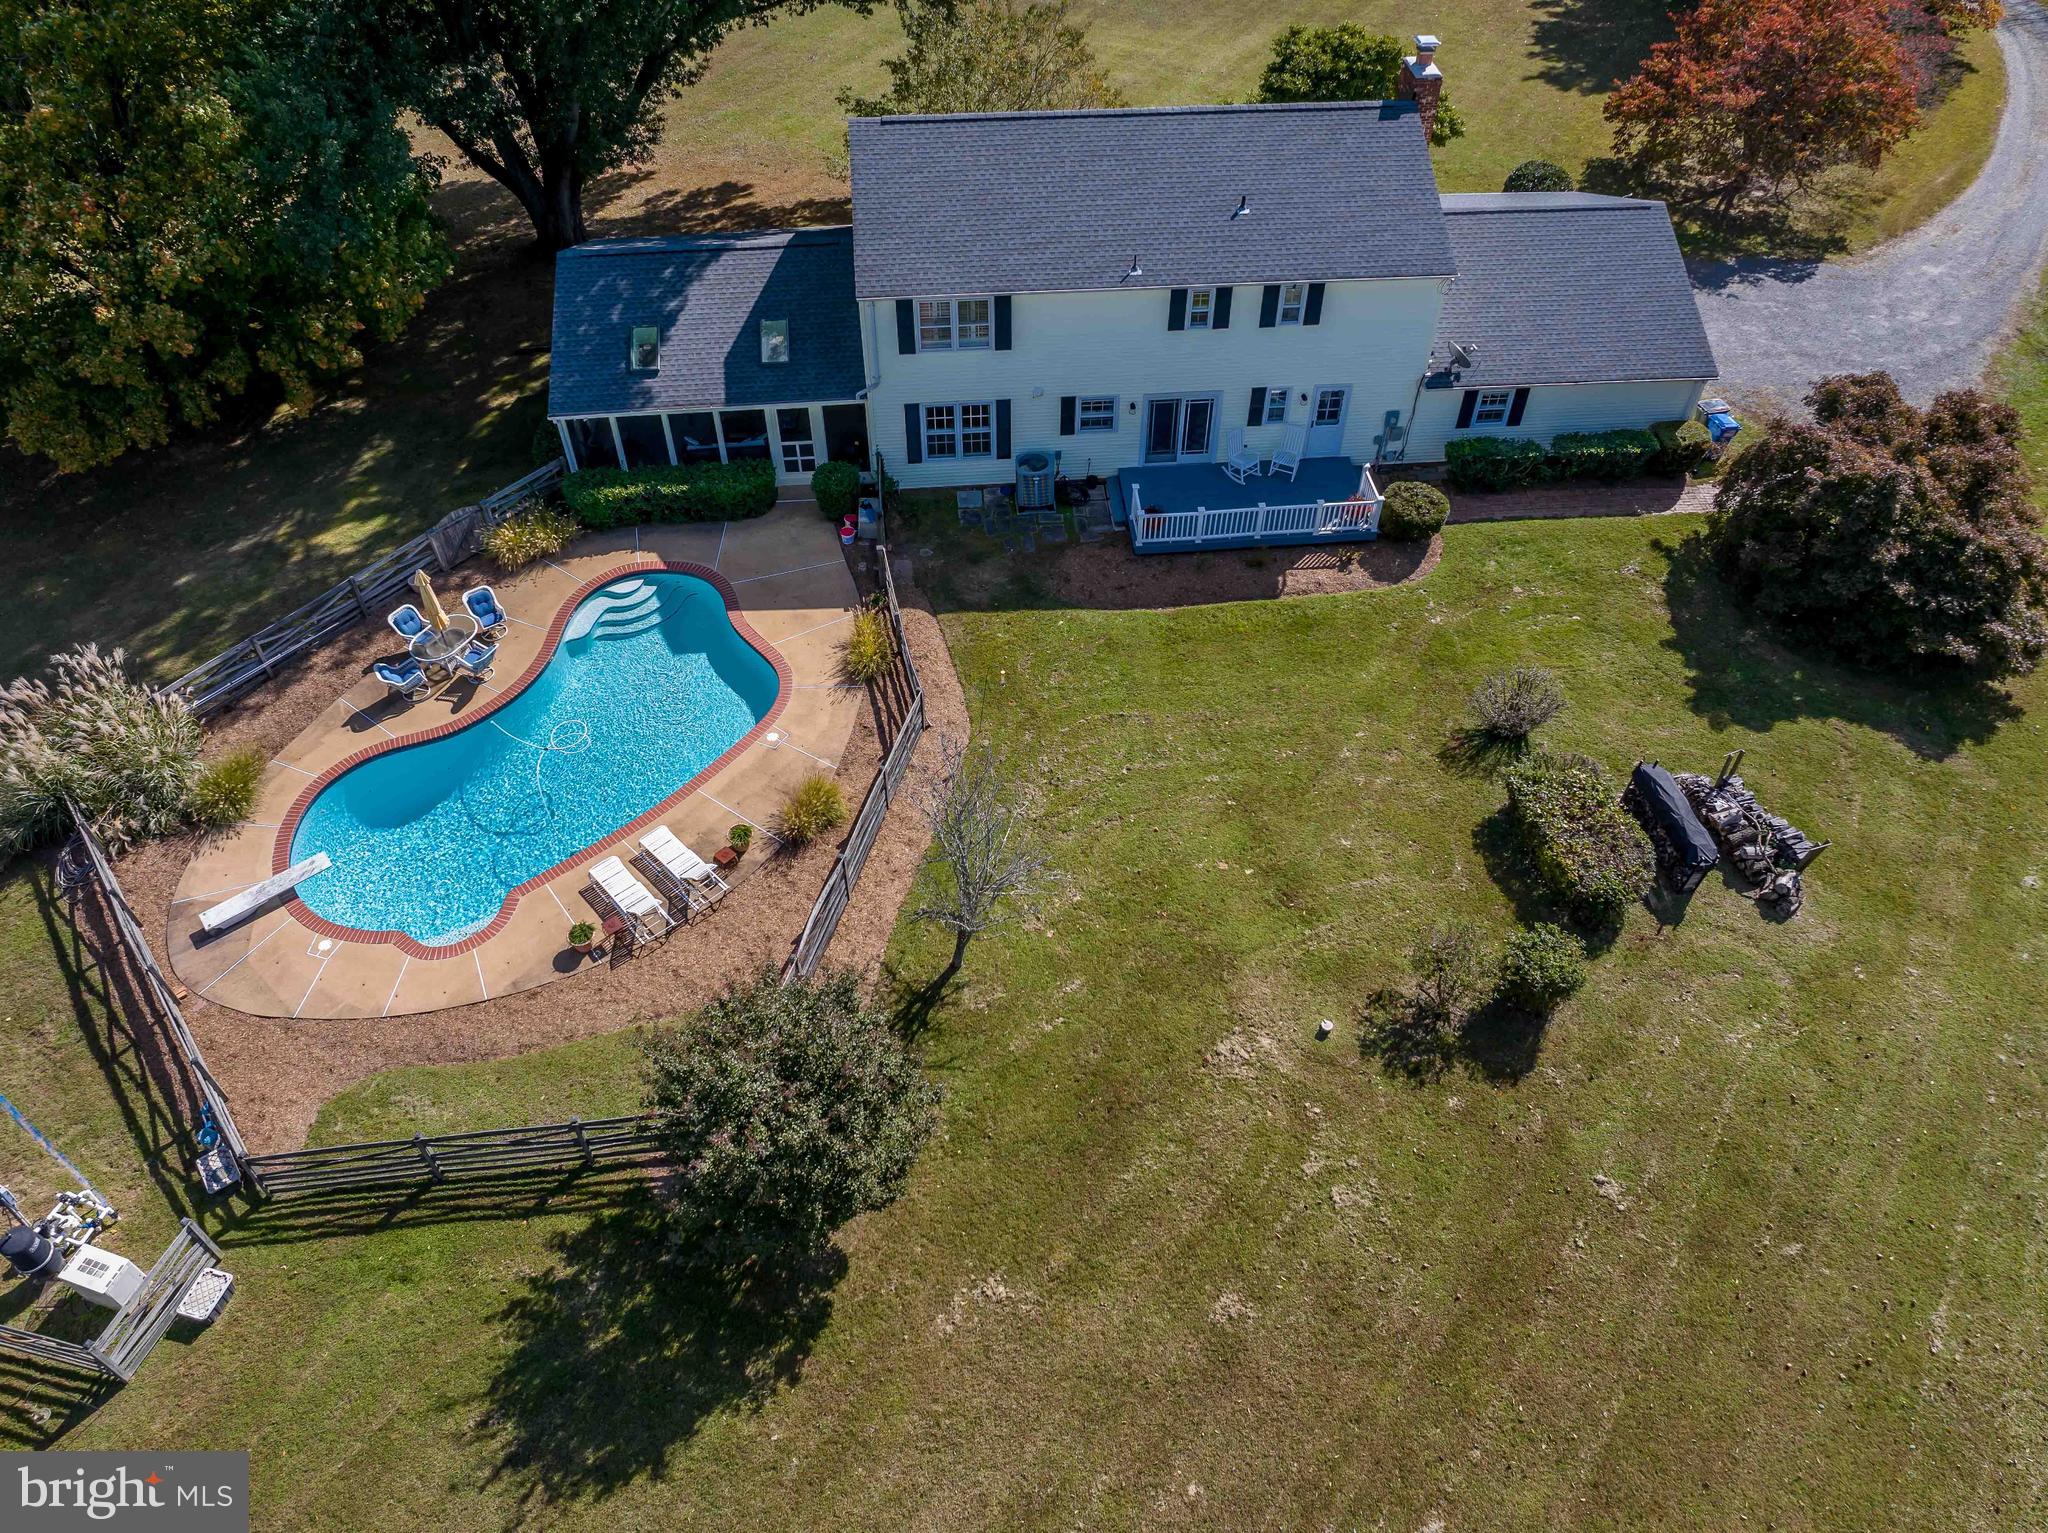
(1344, 63)
(542, 95)
(787, 1109)
(195, 196)
(1893, 536)
(1757, 95)
(988, 56)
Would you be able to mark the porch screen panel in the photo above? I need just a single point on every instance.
(746, 434)
(592, 440)
(646, 444)
(696, 436)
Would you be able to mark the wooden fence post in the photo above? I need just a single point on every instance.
(427, 1157)
(582, 1139)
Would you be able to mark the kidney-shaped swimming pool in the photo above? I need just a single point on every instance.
(649, 685)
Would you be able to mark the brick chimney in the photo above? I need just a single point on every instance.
(1421, 81)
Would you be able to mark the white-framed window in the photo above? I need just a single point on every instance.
(972, 328)
(1201, 307)
(1276, 404)
(947, 324)
(1492, 407)
(960, 431)
(643, 352)
(1095, 413)
(1293, 298)
(774, 341)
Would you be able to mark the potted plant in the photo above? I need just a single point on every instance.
(741, 838)
(582, 935)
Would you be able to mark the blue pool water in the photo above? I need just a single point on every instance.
(649, 686)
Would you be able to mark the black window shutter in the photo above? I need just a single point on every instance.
(1269, 306)
(913, 433)
(1177, 309)
(906, 327)
(1465, 409)
(1066, 415)
(1515, 410)
(1256, 415)
(1002, 322)
(1002, 428)
(1220, 319)
(1313, 313)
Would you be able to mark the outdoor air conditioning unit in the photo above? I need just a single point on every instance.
(1035, 473)
(103, 1277)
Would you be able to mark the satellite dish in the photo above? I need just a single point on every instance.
(1463, 355)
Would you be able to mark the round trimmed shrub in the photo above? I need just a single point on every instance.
(837, 486)
(1413, 511)
(1538, 176)
(1510, 704)
(1539, 966)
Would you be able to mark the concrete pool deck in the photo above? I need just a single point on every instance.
(790, 585)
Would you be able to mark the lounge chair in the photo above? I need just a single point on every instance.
(407, 623)
(1287, 456)
(1239, 461)
(684, 865)
(683, 899)
(405, 678)
(632, 897)
(482, 603)
(477, 659)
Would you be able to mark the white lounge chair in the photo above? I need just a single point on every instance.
(684, 865)
(1239, 461)
(1287, 456)
(635, 901)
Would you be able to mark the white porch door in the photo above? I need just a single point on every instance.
(1326, 422)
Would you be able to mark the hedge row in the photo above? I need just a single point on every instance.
(1587, 850)
(689, 492)
(1514, 463)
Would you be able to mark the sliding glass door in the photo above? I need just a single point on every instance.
(1180, 428)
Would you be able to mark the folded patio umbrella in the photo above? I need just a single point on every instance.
(430, 604)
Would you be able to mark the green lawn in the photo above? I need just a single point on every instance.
(177, 553)
(1174, 1263)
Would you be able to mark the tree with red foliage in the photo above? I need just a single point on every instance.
(1756, 95)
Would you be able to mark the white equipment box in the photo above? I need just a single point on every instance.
(102, 1276)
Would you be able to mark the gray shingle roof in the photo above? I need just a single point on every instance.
(1568, 287)
(708, 294)
(1020, 202)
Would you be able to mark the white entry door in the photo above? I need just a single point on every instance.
(1326, 422)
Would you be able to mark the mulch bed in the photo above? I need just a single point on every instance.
(1108, 575)
(277, 1072)
(1638, 497)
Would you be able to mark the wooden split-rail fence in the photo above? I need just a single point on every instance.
(131, 1335)
(425, 1161)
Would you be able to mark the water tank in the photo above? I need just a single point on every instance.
(29, 1253)
(1034, 480)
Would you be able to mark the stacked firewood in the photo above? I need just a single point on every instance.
(1765, 848)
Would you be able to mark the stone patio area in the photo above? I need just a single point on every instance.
(792, 588)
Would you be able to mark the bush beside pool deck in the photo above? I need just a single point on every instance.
(790, 586)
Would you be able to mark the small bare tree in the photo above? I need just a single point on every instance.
(982, 848)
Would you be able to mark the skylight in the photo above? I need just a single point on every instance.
(774, 340)
(645, 353)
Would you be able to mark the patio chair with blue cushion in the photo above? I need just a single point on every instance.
(477, 659)
(482, 603)
(1239, 461)
(406, 679)
(407, 623)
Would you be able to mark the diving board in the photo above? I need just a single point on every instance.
(239, 907)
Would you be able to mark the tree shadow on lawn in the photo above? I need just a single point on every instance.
(1495, 1042)
(1743, 676)
(1475, 753)
(1590, 46)
(619, 1354)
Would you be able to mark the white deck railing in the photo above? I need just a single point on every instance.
(1249, 525)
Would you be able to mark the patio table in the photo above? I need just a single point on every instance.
(438, 646)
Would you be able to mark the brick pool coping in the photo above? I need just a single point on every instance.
(280, 856)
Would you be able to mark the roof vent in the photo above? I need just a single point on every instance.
(1244, 206)
(1136, 270)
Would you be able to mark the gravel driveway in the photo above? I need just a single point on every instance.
(1929, 307)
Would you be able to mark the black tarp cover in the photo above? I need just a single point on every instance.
(1666, 802)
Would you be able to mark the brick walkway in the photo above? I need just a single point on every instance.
(1641, 497)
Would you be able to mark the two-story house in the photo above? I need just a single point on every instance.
(1141, 292)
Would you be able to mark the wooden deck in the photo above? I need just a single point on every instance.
(1176, 507)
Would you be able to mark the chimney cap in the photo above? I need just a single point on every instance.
(1427, 42)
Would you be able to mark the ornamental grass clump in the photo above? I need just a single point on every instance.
(1584, 847)
(226, 790)
(127, 758)
(537, 534)
(814, 809)
(870, 647)
(1509, 705)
